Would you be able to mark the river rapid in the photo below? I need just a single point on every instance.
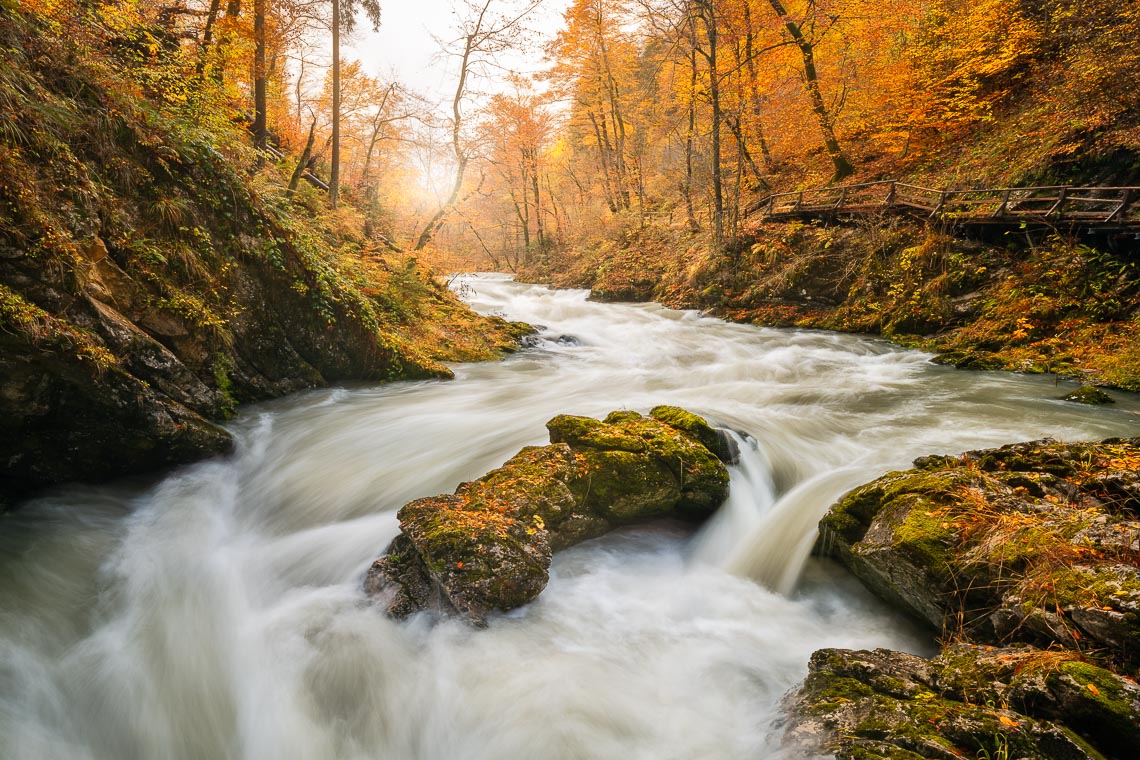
(217, 612)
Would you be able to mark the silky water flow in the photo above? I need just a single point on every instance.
(218, 613)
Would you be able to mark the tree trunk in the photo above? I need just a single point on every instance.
(260, 120)
(708, 17)
(457, 149)
(843, 167)
(604, 162)
(617, 121)
(754, 91)
(334, 169)
(377, 123)
(303, 164)
(690, 133)
(539, 231)
(233, 9)
(736, 129)
(207, 36)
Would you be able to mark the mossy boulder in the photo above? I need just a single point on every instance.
(488, 546)
(1089, 394)
(970, 701)
(1033, 542)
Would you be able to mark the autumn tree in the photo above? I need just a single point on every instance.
(593, 68)
(516, 129)
(824, 117)
(343, 18)
(485, 33)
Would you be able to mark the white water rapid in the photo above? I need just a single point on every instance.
(217, 613)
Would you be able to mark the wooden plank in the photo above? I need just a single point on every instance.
(1059, 206)
(1126, 196)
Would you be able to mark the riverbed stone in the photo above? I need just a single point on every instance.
(1089, 394)
(1033, 542)
(969, 701)
(488, 546)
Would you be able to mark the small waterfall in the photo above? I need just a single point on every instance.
(751, 494)
(219, 613)
(774, 551)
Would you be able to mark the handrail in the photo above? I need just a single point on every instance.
(964, 205)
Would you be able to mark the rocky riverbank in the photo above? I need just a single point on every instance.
(1027, 559)
(1047, 305)
(150, 282)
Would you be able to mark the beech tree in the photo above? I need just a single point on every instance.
(843, 167)
(593, 67)
(516, 130)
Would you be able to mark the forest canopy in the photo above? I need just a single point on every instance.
(680, 112)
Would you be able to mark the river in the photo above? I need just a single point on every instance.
(217, 612)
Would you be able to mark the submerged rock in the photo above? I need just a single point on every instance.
(970, 701)
(1033, 542)
(1089, 394)
(488, 546)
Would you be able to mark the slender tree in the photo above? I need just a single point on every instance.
(343, 18)
(485, 34)
(824, 118)
(260, 106)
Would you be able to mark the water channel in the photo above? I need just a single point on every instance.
(217, 612)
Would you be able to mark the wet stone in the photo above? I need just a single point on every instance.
(488, 546)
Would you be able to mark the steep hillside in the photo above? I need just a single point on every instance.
(151, 279)
(1050, 305)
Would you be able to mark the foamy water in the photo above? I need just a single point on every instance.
(217, 612)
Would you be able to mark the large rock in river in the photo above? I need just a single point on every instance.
(488, 546)
(1033, 542)
(970, 701)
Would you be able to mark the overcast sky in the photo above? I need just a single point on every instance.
(405, 42)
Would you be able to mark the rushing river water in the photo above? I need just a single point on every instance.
(217, 613)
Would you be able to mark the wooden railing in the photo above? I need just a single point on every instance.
(1108, 207)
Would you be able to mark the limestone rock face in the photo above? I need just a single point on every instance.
(1033, 542)
(488, 546)
(970, 701)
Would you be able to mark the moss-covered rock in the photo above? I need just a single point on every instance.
(488, 546)
(1089, 394)
(1034, 542)
(714, 440)
(970, 701)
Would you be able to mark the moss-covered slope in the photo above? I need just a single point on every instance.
(1052, 306)
(151, 278)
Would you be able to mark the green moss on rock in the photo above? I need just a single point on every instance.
(967, 702)
(1033, 542)
(488, 546)
(1088, 394)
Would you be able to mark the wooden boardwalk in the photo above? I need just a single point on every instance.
(1058, 206)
